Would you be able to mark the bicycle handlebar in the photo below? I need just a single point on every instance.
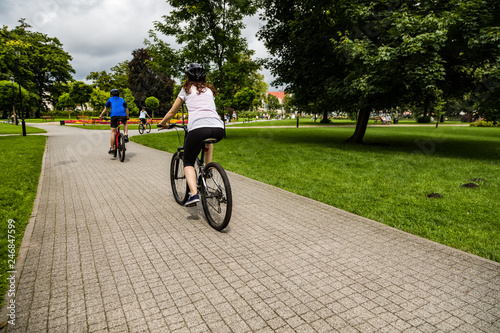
(170, 126)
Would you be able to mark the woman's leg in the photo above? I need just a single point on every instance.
(209, 153)
(192, 147)
(190, 174)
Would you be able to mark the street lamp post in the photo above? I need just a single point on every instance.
(20, 94)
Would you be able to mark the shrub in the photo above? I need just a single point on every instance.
(248, 114)
(424, 120)
(484, 123)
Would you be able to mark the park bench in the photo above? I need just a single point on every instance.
(47, 118)
(377, 119)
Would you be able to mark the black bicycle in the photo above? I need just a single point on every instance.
(119, 144)
(144, 127)
(212, 181)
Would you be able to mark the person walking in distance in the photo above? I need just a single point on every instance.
(204, 122)
(119, 113)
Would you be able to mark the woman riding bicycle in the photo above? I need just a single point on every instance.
(204, 122)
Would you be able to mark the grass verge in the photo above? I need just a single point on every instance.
(387, 179)
(20, 162)
(13, 129)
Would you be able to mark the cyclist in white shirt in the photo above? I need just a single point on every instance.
(203, 122)
(142, 115)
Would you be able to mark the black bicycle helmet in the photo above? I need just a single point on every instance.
(115, 92)
(195, 72)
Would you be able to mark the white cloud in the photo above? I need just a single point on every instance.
(99, 34)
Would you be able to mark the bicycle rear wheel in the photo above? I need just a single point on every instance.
(178, 179)
(121, 147)
(148, 127)
(141, 128)
(216, 197)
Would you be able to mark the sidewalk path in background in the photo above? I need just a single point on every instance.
(109, 250)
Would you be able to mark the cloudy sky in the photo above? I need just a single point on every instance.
(99, 34)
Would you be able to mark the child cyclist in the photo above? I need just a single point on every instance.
(119, 113)
(142, 115)
(203, 123)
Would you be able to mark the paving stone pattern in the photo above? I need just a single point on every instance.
(109, 250)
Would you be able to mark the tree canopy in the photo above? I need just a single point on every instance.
(210, 33)
(117, 78)
(10, 99)
(369, 55)
(144, 81)
(42, 61)
(80, 93)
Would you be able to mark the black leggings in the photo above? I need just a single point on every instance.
(194, 142)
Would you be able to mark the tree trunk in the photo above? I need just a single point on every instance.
(38, 111)
(426, 106)
(325, 119)
(359, 132)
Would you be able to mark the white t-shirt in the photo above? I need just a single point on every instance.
(201, 109)
(142, 114)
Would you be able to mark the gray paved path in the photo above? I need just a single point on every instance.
(109, 250)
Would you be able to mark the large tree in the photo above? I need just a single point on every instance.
(117, 78)
(210, 33)
(240, 72)
(98, 99)
(417, 52)
(10, 100)
(144, 81)
(43, 62)
(81, 92)
(378, 54)
(245, 99)
(298, 36)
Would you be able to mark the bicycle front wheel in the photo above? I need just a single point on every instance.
(121, 147)
(216, 197)
(178, 179)
(141, 128)
(148, 127)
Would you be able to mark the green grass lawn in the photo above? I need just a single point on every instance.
(20, 162)
(18, 129)
(387, 179)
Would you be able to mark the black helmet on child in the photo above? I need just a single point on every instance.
(195, 72)
(115, 92)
